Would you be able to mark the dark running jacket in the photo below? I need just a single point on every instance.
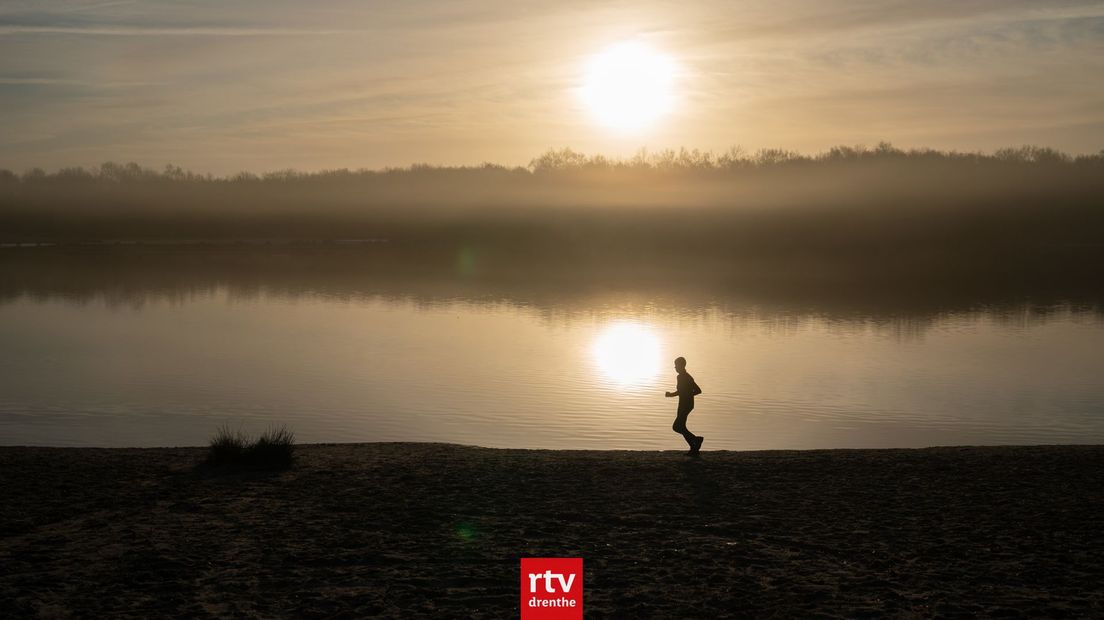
(687, 389)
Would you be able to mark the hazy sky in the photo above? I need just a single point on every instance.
(224, 86)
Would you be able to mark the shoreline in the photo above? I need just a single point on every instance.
(572, 451)
(412, 529)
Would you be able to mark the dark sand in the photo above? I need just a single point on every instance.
(409, 530)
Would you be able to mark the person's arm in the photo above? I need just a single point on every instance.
(697, 390)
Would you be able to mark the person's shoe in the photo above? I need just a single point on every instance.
(698, 444)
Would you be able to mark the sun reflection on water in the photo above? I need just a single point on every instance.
(628, 353)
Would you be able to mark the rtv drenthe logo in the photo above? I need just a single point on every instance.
(551, 588)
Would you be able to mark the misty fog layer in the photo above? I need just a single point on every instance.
(1016, 224)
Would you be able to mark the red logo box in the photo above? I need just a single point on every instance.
(551, 588)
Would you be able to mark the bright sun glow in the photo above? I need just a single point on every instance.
(628, 353)
(628, 86)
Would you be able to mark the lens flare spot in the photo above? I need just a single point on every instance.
(465, 531)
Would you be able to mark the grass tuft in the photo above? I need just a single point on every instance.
(274, 449)
(227, 446)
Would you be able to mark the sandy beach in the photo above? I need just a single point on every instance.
(410, 530)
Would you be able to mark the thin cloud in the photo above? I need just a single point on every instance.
(50, 81)
(145, 31)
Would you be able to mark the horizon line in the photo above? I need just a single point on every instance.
(682, 157)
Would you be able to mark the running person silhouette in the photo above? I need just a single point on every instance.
(686, 389)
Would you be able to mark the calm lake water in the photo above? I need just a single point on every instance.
(169, 369)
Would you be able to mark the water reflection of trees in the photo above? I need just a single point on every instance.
(566, 287)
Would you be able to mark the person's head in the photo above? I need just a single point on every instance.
(680, 364)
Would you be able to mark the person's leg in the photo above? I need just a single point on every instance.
(680, 427)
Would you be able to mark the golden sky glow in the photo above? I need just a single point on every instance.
(227, 86)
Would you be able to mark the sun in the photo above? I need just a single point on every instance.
(628, 86)
(628, 353)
